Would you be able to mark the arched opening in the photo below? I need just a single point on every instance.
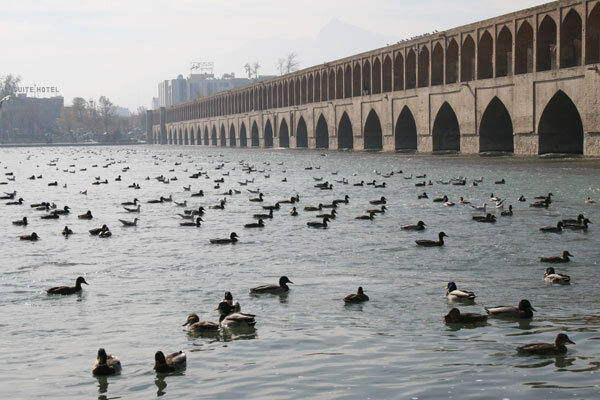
(243, 136)
(570, 40)
(356, 81)
(496, 129)
(322, 134)
(446, 132)
(592, 40)
(504, 53)
(546, 45)
(437, 65)
(345, 136)
(399, 72)
(303, 90)
(324, 96)
(373, 135)
(223, 136)
(560, 129)
(452, 62)
(297, 102)
(301, 134)
(317, 87)
(284, 134)
(292, 93)
(367, 77)
(170, 137)
(213, 136)
(406, 131)
(232, 141)
(185, 137)
(339, 84)
(268, 134)
(254, 142)
(206, 136)
(524, 49)
(192, 137)
(485, 69)
(331, 95)
(347, 82)
(467, 63)
(411, 70)
(424, 67)
(285, 94)
(376, 76)
(180, 137)
(310, 89)
(387, 74)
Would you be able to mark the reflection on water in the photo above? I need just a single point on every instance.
(161, 385)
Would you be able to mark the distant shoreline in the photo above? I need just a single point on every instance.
(9, 145)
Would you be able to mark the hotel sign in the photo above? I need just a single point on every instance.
(38, 90)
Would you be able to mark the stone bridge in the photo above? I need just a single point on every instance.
(526, 83)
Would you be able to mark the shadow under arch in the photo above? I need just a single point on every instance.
(268, 134)
(373, 134)
(243, 136)
(322, 134)
(301, 134)
(254, 135)
(560, 129)
(345, 136)
(446, 131)
(496, 129)
(406, 131)
(284, 134)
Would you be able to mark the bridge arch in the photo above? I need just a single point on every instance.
(297, 91)
(366, 77)
(324, 96)
(180, 137)
(437, 65)
(424, 67)
(303, 90)
(317, 87)
(504, 53)
(301, 134)
(243, 136)
(485, 67)
(387, 74)
(192, 137)
(268, 142)
(570, 40)
(560, 129)
(411, 70)
(311, 98)
(399, 72)
(592, 40)
(254, 141)
(546, 45)
(496, 129)
(213, 136)
(452, 62)
(232, 141)
(406, 131)
(322, 134)
(376, 76)
(356, 80)
(446, 131)
(524, 49)
(373, 134)
(186, 137)
(339, 83)
(223, 136)
(467, 62)
(331, 95)
(206, 135)
(347, 82)
(345, 136)
(284, 134)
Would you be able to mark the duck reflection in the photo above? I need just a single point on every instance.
(160, 384)
(102, 386)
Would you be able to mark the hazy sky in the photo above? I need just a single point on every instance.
(123, 48)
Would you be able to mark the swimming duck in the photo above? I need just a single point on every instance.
(64, 211)
(55, 183)
(68, 289)
(257, 199)
(330, 216)
(540, 204)
(500, 182)
(550, 276)
(15, 203)
(558, 347)
(233, 238)
(507, 213)
(523, 310)
(420, 184)
(96, 231)
(273, 289)
(129, 223)
(310, 208)
(418, 227)
(359, 184)
(449, 203)
(264, 216)
(315, 224)
(590, 201)
(521, 198)
(422, 196)
(344, 200)
(11, 196)
(220, 206)
(432, 243)
(105, 233)
(487, 218)
(87, 215)
(377, 211)
(292, 200)
(547, 197)
(463, 201)
(235, 305)
(21, 222)
(106, 364)
(66, 231)
(32, 238)
(572, 221)
(52, 215)
(194, 324)
(553, 229)
(259, 224)
(198, 194)
(294, 212)
(441, 199)
(190, 223)
(454, 316)
(379, 186)
(370, 216)
(557, 259)
(357, 297)
(231, 319)
(382, 200)
(133, 210)
(181, 204)
(276, 206)
(171, 363)
(494, 198)
(161, 200)
(582, 227)
(331, 205)
(455, 294)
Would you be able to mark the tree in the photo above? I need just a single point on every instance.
(291, 63)
(252, 70)
(255, 69)
(249, 70)
(107, 112)
(9, 85)
(281, 65)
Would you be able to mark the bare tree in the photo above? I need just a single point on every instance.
(281, 62)
(291, 63)
(249, 70)
(8, 85)
(107, 111)
(255, 69)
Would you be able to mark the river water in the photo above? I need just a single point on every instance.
(145, 280)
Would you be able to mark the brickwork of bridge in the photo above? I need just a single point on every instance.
(526, 83)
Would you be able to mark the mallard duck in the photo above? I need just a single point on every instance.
(590, 201)
(196, 224)
(573, 221)
(66, 231)
(15, 203)
(330, 216)
(558, 347)
(359, 184)
(422, 196)
(418, 227)
(455, 294)
(273, 289)
(294, 212)
(432, 243)
(310, 208)
(463, 201)
(32, 238)
(198, 194)
(105, 233)
(378, 211)
(357, 297)
(557, 259)
(220, 206)
(52, 215)
(96, 231)
(257, 199)
(230, 319)
(340, 201)
(194, 324)
(500, 182)
(331, 205)
(235, 305)
(550, 276)
(489, 218)
(494, 198)
(540, 204)
(523, 310)
(264, 216)
(507, 213)
(129, 223)
(154, 201)
(582, 227)
(65, 211)
(259, 224)
(548, 197)
(521, 198)
(454, 316)
(441, 199)
(382, 200)
(21, 222)
(68, 289)
(370, 216)
(276, 206)
(233, 238)
(106, 364)
(171, 363)
(315, 224)
(553, 229)
(87, 215)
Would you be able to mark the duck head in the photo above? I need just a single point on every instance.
(224, 308)
(360, 290)
(102, 356)
(567, 254)
(34, 235)
(451, 286)
(442, 235)
(284, 280)
(525, 305)
(191, 319)
(228, 296)
(453, 313)
(549, 271)
(562, 339)
(79, 281)
(159, 359)
(421, 223)
(233, 236)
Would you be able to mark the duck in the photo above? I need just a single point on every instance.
(199, 193)
(257, 199)
(21, 222)
(68, 289)
(194, 324)
(330, 216)
(66, 231)
(422, 196)
(557, 259)
(181, 204)
(105, 233)
(133, 210)
(293, 212)
(170, 363)
(432, 243)
(441, 199)
(370, 216)
(315, 224)
(264, 216)
(32, 238)
(331, 205)
(228, 297)
(220, 206)
(190, 223)
(106, 364)
(494, 198)
(231, 319)
(129, 223)
(521, 198)
(590, 201)
(547, 197)
(276, 206)
(540, 204)
(507, 213)
(382, 200)
(582, 227)
(454, 316)
(259, 224)
(500, 182)
(15, 203)
(463, 201)
(454, 293)
(345, 200)
(550, 276)
(573, 221)
(359, 184)
(310, 208)
(65, 211)
(418, 227)
(487, 218)
(273, 289)
(52, 215)
(378, 211)
(96, 231)
(154, 201)
(292, 200)
(553, 229)
(87, 215)
(357, 297)
(9, 196)
(558, 347)
(233, 238)
(523, 310)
